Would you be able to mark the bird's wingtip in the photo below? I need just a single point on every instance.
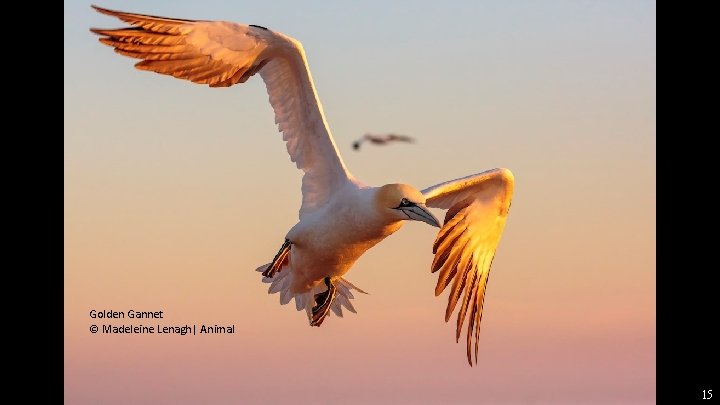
(103, 10)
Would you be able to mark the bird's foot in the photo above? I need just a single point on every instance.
(323, 301)
(278, 260)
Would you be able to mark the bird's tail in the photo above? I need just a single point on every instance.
(343, 296)
(283, 279)
(281, 282)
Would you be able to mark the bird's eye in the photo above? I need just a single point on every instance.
(404, 202)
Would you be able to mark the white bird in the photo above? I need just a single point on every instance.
(382, 139)
(340, 217)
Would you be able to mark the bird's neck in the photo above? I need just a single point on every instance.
(366, 218)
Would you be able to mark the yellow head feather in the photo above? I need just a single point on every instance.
(390, 195)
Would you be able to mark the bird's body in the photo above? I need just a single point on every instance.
(322, 247)
(340, 218)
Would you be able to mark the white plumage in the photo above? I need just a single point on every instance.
(340, 217)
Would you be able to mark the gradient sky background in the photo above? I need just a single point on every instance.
(175, 193)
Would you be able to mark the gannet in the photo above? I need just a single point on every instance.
(340, 217)
(382, 139)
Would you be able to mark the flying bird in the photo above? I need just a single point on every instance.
(382, 139)
(340, 217)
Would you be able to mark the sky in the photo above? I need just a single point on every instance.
(174, 193)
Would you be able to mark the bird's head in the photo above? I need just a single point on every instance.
(401, 202)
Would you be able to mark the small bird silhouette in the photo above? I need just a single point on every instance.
(382, 139)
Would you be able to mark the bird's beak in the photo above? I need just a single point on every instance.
(419, 212)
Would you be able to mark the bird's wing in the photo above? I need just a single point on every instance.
(385, 138)
(221, 54)
(373, 137)
(477, 207)
(402, 138)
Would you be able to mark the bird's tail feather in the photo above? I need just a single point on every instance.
(283, 279)
(342, 299)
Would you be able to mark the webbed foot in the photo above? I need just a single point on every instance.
(278, 260)
(323, 301)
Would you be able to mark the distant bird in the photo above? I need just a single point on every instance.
(340, 217)
(382, 139)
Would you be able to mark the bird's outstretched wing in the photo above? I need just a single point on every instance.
(221, 54)
(401, 138)
(477, 207)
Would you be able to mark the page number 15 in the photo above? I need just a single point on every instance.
(707, 394)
